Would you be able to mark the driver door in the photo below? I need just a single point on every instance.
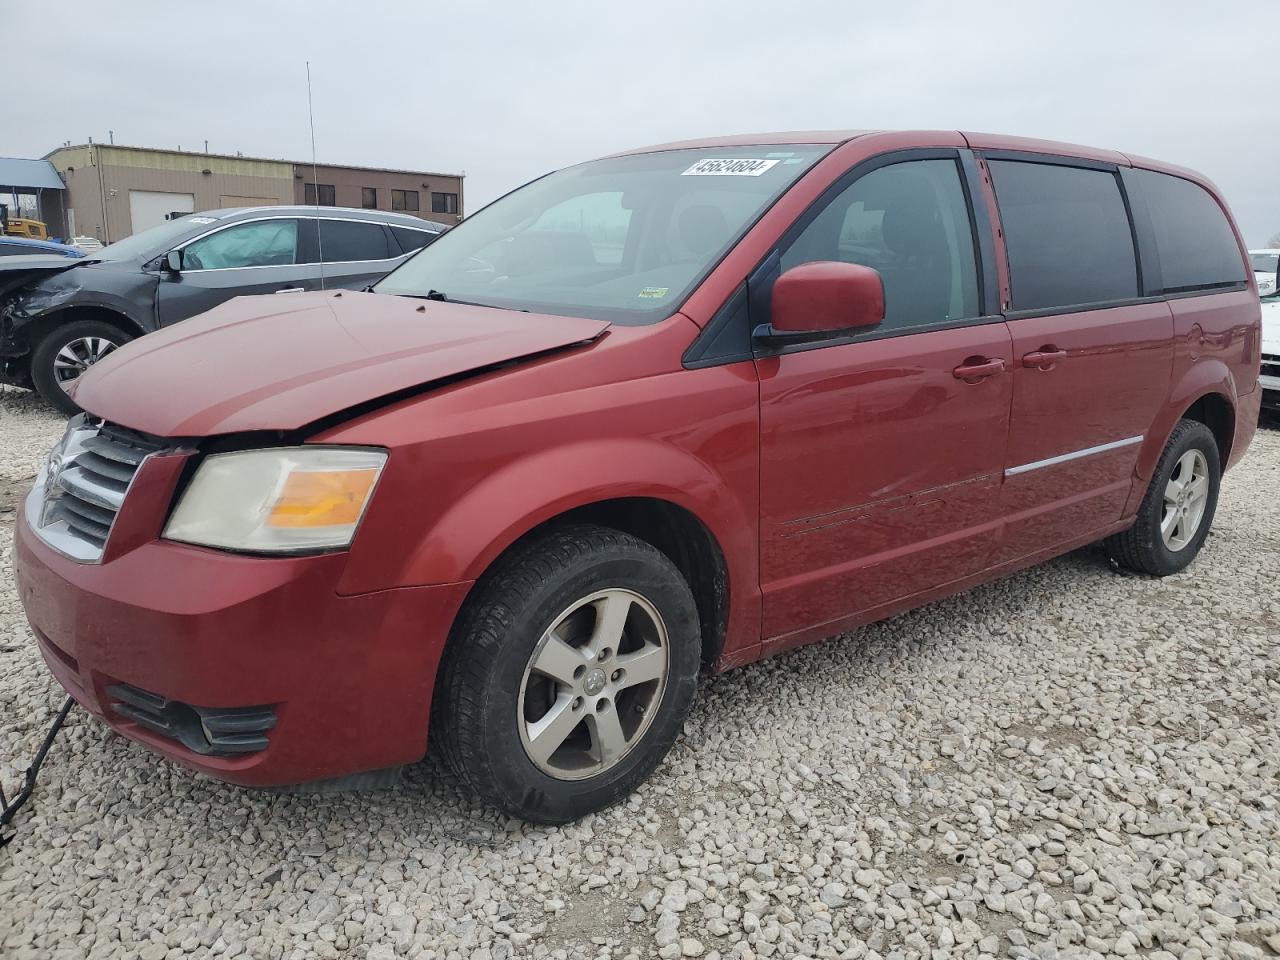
(881, 452)
(250, 257)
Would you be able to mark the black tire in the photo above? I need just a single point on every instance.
(477, 710)
(1141, 547)
(43, 373)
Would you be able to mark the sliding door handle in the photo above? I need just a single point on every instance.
(1044, 359)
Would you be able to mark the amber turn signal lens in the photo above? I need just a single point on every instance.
(322, 498)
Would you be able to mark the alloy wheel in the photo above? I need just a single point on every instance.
(79, 355)
(1185, 497)
(593, 684)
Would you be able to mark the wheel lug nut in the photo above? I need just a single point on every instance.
(616, 676)
(577, 703)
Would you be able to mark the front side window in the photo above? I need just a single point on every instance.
(444, 203)
(1067, 235)
(909, 222)
(404, 199)
(623, 239)
(1195, 244)
(347, 240)
(369, 198)
(261, 243)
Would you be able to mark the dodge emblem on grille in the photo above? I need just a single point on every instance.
(54, 470)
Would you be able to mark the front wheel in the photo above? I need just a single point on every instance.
(569, 674)
(66, 352)
(1178, 508)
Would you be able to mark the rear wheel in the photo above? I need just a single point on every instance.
(569, 674)
(66, 352)
(1178, 508)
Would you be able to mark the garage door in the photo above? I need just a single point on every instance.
(150, 207)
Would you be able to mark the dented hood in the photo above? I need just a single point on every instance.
(256, 363)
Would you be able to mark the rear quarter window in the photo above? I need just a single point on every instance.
(1067, 234)
(410, 239)
(1195, 244)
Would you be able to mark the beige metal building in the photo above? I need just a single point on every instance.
(114, 191)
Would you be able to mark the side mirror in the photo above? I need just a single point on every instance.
(173, 261)
(823, 299)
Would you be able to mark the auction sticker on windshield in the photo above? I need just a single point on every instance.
(729, 167)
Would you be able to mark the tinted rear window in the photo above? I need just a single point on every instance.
(1194, 240)
(342, 240)
(1067, 233)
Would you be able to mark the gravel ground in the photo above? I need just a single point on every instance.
(1069, 762)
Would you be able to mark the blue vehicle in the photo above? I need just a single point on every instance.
(25, 247)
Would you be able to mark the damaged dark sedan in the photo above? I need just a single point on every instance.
(58, 317)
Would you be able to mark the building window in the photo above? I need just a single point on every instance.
(404, 199)
(326, 197)
(369, 198)
(444, 203)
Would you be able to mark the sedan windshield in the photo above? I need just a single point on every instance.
(624, 239)
(153, 242)
(1265, 262)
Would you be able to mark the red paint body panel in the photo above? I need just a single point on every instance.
(350, 677)
(878, 469)
(492, 458)
(278, 366)
(842, 484)
(1108, 387)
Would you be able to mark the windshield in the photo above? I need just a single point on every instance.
(623, 239)
(153, 242)
(1265, 262)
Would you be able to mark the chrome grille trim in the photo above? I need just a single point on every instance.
(83, 484)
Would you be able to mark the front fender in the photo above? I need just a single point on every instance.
(126, 293)
(509, 502)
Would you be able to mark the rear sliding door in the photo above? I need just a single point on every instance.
(1091, 357)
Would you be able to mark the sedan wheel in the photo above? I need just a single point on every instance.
(65, 352)
(78, 356)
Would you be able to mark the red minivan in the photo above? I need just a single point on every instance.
(668, 411)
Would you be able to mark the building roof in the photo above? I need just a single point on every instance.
(236, 156)
(32, 174)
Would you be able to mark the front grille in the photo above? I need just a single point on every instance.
(1271, 365)
(83, 485)
(209, 731)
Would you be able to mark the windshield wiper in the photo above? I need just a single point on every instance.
(435, 295)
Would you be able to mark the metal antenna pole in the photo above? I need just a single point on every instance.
(315, 178)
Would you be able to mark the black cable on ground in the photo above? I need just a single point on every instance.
(9, 808)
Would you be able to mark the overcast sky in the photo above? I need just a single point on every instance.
(507, 90)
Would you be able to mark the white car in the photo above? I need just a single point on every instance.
(1265, 264)
(88, 245)
(1270, 379)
